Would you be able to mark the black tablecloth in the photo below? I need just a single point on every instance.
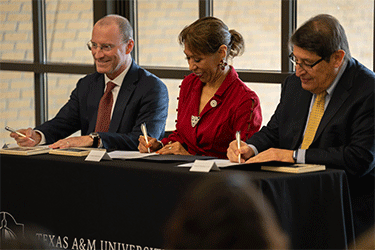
(126, 203)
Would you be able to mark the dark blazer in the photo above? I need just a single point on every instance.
(345, 136)
(142, 98)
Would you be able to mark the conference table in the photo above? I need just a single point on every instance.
(71, 203)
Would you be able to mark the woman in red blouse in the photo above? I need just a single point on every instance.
(213, 103)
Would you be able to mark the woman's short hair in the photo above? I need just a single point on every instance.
(207, 34)
(323, 35)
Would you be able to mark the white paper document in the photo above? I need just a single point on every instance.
(119, 154)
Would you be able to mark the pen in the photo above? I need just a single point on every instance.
(238, 138)
(18, 133)
(144, 131)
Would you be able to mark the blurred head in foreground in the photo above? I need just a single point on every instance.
(225, 212)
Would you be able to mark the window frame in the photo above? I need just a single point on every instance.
(128, 9)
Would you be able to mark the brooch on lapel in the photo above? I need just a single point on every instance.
(194, 120)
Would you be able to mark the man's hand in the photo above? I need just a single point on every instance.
(153, 144)
(26, 141)
(273, 154)
(77, 141)
(233, 151)
(174, 148)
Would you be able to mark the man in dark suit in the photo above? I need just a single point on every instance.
(137, 96)
(344, 136)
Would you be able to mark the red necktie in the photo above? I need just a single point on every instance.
(104, 110)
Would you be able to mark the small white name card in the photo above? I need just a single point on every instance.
(204, 166)
(97, 155)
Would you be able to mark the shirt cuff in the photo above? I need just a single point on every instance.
(301, 153)
(42, 139)
(100, 143)
(164, 141)
(254, 149)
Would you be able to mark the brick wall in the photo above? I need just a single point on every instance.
(69, 24)
(16, 102)
(357, 18)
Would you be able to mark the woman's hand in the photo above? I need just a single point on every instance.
(174, 148)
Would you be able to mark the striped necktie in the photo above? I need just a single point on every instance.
(316, 114)
(105, 109)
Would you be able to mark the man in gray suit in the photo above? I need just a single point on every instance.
(137, 96)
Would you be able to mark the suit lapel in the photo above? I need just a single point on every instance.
(127, 88)
(93, 99)
(340, 94)
(301, 115)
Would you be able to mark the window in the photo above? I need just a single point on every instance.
(69, 24)
(16, 103)
(355, 16)
(264, 25)
(16, 31)
(60, 86)
(259, 24)
(269, 96)
(160, 23)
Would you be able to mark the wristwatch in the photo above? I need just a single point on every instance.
(295, 154)
(95, 136)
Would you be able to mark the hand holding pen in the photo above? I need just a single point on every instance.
(238, 139)
(25, 137)
(144, 131)
(239, 151)
(18, 133)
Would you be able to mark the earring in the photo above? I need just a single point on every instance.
(222, 64)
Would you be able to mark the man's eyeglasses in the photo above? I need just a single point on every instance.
(303, 65)
(105, 47)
